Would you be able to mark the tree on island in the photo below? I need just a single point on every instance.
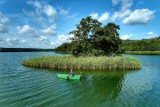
(93, 39)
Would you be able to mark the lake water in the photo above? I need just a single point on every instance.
(22, 86)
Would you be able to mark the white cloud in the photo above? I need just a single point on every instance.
(101, 18)
(124, 9)
(151, 35)
(120, 14)
(12, 39)
(24, 41)
(52, 43)
(12, 42)
(139, 16)
(4, 21)
(50, 30)
(125, 37)
(126, 4)
(43, 39)
(115, 2)
(25, 29)
(63, 11)
(44, 16)
(71, 35)
(42, 8)
(62, 38)
(35, 3)
(94, 15)
(50, 11)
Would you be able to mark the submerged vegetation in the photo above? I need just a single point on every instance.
(84, 63)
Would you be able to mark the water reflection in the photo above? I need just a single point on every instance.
(106, 85)
(96, 88)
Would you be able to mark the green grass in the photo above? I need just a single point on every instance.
(84, 63)
(143, 52)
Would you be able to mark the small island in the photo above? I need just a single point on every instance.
(93, 47)
(84, 63)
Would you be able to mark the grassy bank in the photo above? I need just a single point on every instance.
(143, 52)
(83, 63)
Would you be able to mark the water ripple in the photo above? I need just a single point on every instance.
(21, 86)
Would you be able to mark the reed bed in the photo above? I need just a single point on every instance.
(84, 63)
(143, 52)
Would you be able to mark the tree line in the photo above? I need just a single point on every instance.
(152, 44)
(23, 50)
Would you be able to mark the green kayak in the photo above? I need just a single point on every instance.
(66, 76)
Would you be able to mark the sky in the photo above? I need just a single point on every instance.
(47, 23)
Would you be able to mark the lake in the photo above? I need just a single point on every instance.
(22, 86)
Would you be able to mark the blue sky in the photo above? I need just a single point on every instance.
(46, 23)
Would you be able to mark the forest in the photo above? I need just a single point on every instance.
(152, 44)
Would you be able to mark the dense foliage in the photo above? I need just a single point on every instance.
(93, 39)
(142, 46)
(152, 44)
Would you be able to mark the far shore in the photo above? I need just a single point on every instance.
(143, 52)
(25, 50)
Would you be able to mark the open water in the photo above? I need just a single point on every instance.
(22, 86)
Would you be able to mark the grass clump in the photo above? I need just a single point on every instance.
(143, 52)
(84, 63)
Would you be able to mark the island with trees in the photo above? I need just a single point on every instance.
(93, 47)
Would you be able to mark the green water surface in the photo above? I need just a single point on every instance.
(22, 86)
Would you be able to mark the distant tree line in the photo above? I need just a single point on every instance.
(23, 50)
(152, 44)
(93, 39)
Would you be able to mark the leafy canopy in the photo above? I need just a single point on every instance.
(93, 39)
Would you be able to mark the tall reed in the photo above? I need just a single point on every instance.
(84, 63)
